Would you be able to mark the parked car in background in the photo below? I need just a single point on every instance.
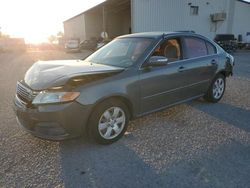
(132, 76)
(103, 43)
(90, 44)
(227, 41)
(72, 45)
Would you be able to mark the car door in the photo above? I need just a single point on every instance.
(162, 86)
(198, 66)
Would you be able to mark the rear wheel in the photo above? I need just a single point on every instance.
(216, 89)
(109, 121)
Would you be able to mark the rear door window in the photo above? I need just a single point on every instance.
(194, 47)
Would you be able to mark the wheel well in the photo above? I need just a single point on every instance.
(123, 99)
(224, 73)
(127, 103)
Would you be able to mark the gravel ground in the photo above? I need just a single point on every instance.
(196, 144)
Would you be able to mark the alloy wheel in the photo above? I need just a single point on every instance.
(218, 88)
(111, 123)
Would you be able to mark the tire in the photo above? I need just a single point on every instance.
(216, 89)
(108, 122)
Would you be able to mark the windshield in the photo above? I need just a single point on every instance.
(122, 52)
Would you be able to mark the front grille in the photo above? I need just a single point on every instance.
(25, 93)
(20, 102)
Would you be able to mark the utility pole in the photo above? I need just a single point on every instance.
(103, 18)
(104, 33)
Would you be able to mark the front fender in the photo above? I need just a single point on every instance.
(121, 85)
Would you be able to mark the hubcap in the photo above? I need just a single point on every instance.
(218, 88)
(111, 123)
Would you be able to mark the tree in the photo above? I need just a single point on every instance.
(52, 39)
(60, 34)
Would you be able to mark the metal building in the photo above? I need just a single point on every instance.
(112, 16)
(118, 17)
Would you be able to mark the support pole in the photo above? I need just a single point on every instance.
(103, 19)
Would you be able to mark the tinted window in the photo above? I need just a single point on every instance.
(170, 49)
(195, 47)
(210, 48)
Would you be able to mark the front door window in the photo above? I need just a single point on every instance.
(169, 49)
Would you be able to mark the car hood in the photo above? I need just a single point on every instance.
(46, 74)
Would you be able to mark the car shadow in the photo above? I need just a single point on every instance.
(232, 115)
(85, 164)
(227, 166)
(123, 164)
(89, 165)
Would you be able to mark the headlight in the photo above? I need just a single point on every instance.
(56, 97)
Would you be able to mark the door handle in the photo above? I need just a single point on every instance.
(213, 62)
(181, 69)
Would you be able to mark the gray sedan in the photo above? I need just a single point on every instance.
(132, 76)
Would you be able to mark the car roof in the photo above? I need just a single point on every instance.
(159, 34)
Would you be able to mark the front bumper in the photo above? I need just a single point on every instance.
(54, 121)
(72, 50)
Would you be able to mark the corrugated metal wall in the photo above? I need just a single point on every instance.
(93, 21)
(75, 28)
(90, 23)
(118, 23)
(165, 15)
(174, 15)
(241, 23)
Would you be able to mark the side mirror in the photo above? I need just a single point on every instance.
(156, 61)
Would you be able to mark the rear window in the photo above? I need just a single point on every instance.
(195, 47)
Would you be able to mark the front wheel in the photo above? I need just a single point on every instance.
(216, 89)
(109, 121)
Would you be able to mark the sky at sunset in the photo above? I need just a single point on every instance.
(35, 20)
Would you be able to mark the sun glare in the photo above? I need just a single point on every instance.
(36, 20)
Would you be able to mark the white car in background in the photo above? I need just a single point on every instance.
(72, 45)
